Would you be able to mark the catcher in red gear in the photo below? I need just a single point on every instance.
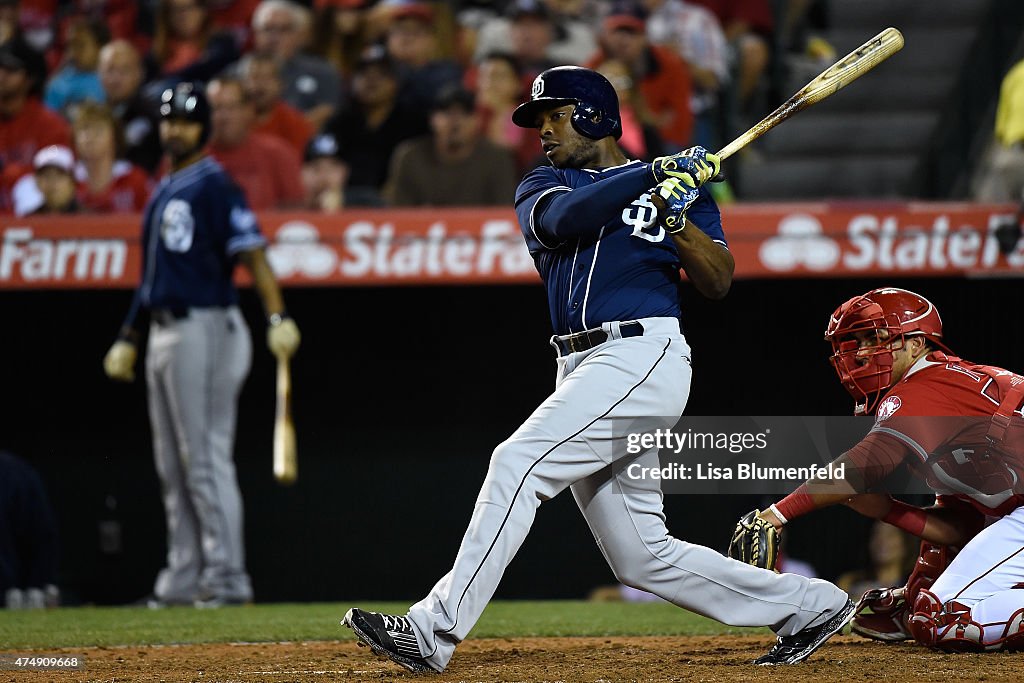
(959, 426)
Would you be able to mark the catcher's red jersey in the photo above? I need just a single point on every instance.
(942, 413)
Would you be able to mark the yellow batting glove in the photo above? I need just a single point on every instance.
(677, 197)
(283, 337)
(119, 363)
(694, 166)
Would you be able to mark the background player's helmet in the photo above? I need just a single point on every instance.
(867, 373)
(187, 101)
(597, 106)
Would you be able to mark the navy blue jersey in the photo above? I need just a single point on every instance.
(193, 227)
(595, 240)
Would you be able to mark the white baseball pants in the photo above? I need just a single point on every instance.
(569, 441)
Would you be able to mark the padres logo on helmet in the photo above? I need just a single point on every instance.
(597, 106)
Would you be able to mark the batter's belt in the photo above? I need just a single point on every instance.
(588, 339)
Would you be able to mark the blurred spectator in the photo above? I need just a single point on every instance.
(339, 34)
(186, 46)
(261, 76)
(54, 168)
(470, 17)
(454, 165)
(121, 18)
(324, 174)
(748, 26)
(424, 63)
(891, 556)
(34, 20)
(659, 74)
(107, 183)
(121, 73)
(532, 35)
(695, 33)
(28, 537)
(499, 90)
(373, 124)
(1001, 177)
(640, 138)
(26, 125)
(800, 27)
(282, 29)
(77, 80)
(266, 168)
(28, 24)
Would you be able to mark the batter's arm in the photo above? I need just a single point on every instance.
(707, 264)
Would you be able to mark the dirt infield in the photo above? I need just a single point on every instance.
(572, 660)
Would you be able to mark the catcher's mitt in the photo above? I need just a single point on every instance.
(755, 541)
(882, 614)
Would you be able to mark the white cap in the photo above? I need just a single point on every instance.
(54, 155)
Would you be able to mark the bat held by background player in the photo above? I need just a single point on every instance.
(286, 469)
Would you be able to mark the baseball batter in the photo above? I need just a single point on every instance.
(196, 226)
(958, 425)
(611, 268)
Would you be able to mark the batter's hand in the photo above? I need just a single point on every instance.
(119, 363)
(694, 167)
(755, 541)
(672, 198)
(283, 337)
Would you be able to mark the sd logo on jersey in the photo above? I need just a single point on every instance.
(642, 215)
(177, 226)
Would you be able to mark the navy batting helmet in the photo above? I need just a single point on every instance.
(597, 106)
(186, 101)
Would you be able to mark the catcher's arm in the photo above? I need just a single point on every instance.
(949, 522)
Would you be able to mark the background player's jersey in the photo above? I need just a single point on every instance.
(622, 267)
(942, 411)
(193, 226)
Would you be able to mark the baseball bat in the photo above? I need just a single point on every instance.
(285, 457)
(849, 68)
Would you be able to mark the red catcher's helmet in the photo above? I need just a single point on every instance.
(867, 373)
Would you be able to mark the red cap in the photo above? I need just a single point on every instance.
(413, 10)
(625, 22)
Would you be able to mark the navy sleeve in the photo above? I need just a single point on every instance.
(242, 231)
(704, 213)
(553, 212)
(537, 187)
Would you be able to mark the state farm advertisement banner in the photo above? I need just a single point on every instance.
(476, 246)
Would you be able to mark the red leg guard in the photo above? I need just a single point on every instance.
(946, 627)
(1012, 639)
(931, 562)
(922, 623)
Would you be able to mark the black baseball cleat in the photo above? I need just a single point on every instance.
(388, 635)
(802, 644)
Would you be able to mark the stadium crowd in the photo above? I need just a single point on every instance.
(334, 103)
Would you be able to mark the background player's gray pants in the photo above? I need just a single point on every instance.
(568, 441)
(194, 370)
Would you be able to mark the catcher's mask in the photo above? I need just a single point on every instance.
(888, 316)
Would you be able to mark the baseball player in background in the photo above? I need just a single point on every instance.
(959, 426)
(195, 227)
(610, 263)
